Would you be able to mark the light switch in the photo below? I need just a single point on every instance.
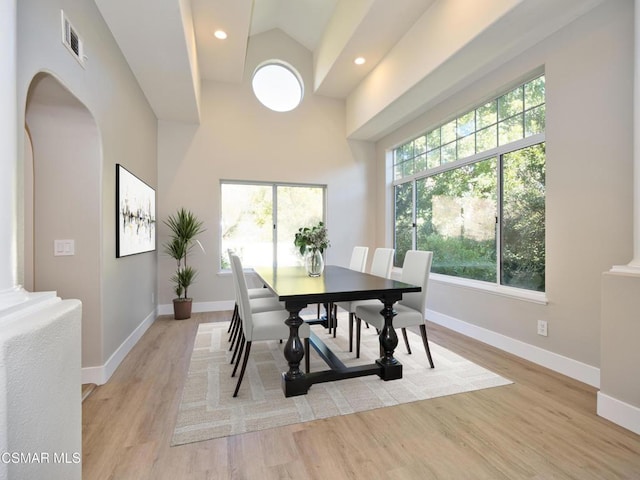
(64, 247)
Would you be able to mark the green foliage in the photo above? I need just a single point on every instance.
(251, 214)
(176, 248)
(184, 227)
(182, 279)
(456, 250)
(463, 257)
(523, 224)
(312, 238)
(404, 221)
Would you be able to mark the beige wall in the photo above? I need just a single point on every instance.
(588, 68)
(620, 334)
(127, 134)
(66, 148)
(240, 139)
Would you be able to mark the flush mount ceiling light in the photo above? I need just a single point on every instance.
(220, 34)
(359, 60)
(278, 86)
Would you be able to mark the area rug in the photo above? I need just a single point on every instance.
(208, 410)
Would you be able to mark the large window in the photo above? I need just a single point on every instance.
(259, 220)
(473, 192)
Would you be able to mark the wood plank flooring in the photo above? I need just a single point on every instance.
(543, 426)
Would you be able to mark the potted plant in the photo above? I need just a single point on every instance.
(184, 228)
(311, 241)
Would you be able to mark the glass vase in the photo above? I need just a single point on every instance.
(314, 263)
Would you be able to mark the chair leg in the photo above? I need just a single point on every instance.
(358, 328)
(244, 366)
(242, 343)
(232, 328)
(334, 318)
(307, 359)
(233, 318)
(351, 331)
(239, 341)
(236, 337)
(423, 331)
(234, 334)
(406, 340)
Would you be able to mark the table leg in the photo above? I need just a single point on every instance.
(391, 367)
(388, 336)
(294, 349)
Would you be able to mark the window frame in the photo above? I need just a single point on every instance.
(268, 102)
(498, 152)
(274, 231)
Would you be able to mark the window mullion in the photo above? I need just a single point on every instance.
(274, 219)
(499, 217)
(414, 200)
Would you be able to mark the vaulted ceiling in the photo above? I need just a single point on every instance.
(170, 47)
(169, 44)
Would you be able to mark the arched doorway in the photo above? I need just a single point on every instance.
(62, 202)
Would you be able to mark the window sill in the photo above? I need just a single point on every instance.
(500, 290)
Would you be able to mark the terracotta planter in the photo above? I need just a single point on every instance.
(182, 308)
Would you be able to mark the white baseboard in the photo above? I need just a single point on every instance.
(619, 412)
(198, 307)
(101, 374)
(558, 363)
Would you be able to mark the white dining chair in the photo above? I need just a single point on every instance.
(358, 260)
(411, 310)
(259, 302)
(357, 263)
(381, 265)
(261, 326)
(253, 293)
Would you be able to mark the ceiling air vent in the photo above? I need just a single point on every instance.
(71, 40)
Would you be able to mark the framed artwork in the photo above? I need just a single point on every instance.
(135, 214)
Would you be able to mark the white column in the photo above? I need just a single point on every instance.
(8, 151)
(634, 264)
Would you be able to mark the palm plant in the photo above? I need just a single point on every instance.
(184, 226)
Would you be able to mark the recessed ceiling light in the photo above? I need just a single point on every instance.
(359, 60)
(220, 34)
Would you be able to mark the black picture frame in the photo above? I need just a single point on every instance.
(135, 214)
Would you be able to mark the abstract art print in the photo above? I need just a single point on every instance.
(135, 213)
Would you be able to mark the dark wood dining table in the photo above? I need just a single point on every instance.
(294, 287)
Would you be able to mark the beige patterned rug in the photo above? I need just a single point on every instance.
(208, 410)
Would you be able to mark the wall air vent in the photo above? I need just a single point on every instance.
(71, 40)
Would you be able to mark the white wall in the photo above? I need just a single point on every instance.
(588, 68)
(438, 35)
(40, 403)
(240, 139)
(128, 135)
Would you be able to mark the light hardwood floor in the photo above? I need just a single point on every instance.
(543, 426)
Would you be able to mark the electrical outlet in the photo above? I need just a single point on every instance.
(542, 328)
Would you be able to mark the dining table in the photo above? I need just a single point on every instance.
(296, 289)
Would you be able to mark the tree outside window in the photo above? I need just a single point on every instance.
(259, 221)
(473, 191)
